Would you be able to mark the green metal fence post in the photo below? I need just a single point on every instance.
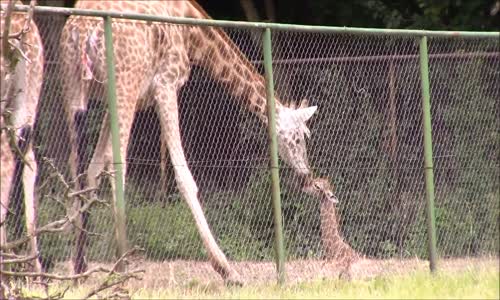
(273, 153)
(119, 203)
(428, 164)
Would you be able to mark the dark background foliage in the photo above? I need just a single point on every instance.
(420, 14)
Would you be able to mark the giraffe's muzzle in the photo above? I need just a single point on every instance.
(331, 198)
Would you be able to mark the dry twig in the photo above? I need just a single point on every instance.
(22, 259)
(113, 278)
(55, 226)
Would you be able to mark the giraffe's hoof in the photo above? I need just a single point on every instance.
(233, 279)
(345, 275)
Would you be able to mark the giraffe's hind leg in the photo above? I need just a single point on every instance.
(31, 203)
(100, 161)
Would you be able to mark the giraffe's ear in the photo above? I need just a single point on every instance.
(292, 119)
(304, 114)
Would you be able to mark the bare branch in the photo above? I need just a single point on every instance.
(54, 276)
(27, 22)
(18, 49)
(85, 230)
(56, 296)
(110, 282)
(11, 245)
(55, 199)
(14, 292)
(78, 276)
(11, 255)
(6, 29)
(124, 256)
(19, 260)
(112, 277)
(56, 172)
(79, 193)
(60, 225)
(55, 226)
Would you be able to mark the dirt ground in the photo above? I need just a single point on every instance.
(181, 273)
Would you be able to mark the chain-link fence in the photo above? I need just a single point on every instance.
(366, 138)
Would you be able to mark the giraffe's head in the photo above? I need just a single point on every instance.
(292, 130)
(320, 188)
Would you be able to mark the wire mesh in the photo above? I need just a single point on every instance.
(465, 125)
(366, 139)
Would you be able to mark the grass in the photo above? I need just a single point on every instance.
(472, 284)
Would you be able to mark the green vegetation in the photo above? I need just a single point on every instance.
(242, 222)
(472, 284)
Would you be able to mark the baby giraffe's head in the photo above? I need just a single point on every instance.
(320, 188)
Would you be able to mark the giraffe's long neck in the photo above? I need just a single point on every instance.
(211, 48)
(335, 246)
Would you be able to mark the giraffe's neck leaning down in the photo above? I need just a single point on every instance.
(212, 49)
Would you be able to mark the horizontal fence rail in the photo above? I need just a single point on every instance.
(257, 25)
(404, 137)
(382, 57)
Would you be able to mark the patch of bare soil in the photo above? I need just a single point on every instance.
(181, 273)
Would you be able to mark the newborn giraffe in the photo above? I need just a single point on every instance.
(335, 248)
(320, 188)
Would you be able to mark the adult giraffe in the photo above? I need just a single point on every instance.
(155, 59)
(19, 99)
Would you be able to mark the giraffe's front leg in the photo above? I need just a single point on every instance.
(168, 114)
